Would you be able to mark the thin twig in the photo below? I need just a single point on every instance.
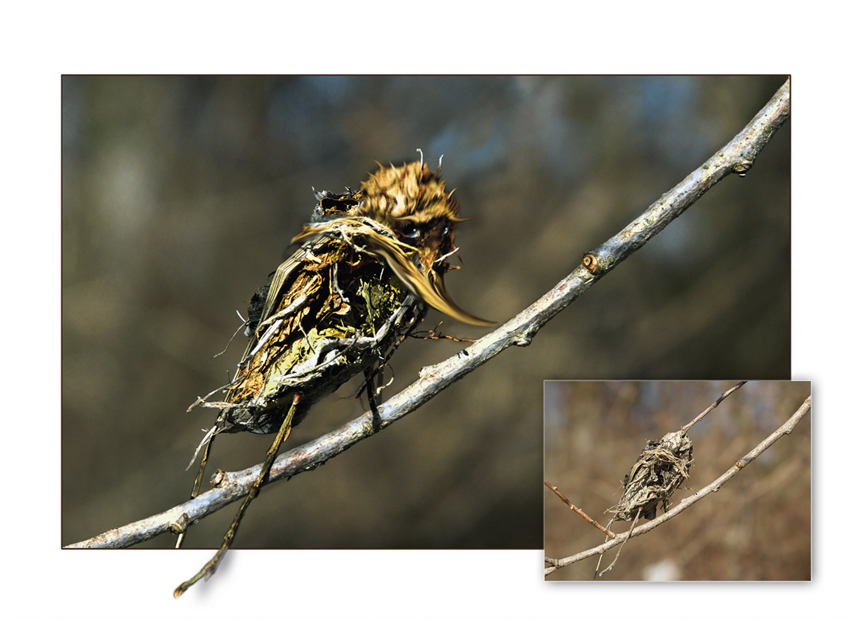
(735, 158)
(578, 511)
(209, 569)
(711, 407)
(597, 573)
(553, 564)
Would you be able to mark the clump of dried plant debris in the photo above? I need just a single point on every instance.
(369, 262)
(660, 470)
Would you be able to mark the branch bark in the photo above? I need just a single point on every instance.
(736, 157)
(786, 428)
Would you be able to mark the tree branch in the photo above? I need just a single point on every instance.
(578, 511)
(786, 428)
(736, 157)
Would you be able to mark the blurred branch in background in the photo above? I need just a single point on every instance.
(552, 564)
(736, 157)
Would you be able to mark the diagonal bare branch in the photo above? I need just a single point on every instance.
(736, 157)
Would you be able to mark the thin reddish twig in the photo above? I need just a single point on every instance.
(579, 512)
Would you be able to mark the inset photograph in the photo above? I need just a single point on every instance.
(677, 480)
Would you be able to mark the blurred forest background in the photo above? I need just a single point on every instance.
(756, 527)
(181, 194)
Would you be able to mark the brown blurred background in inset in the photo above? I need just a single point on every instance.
(756, 527)
(180, 196)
